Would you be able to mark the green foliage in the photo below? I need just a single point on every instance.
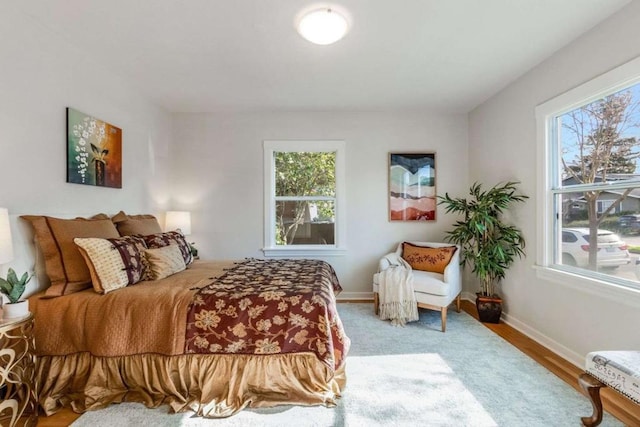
(488, 245)
(303, 174)
(13, 287)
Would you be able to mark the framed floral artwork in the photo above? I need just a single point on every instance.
(412, 186)
(94, 151)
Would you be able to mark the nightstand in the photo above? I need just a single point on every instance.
(18, 398)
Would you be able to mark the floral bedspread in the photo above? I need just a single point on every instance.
(269, 307)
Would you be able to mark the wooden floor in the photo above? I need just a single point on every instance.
(615, 404)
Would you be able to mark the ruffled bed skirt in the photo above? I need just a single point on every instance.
(210, 385)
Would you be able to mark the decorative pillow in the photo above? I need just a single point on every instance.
(165, 239)
(165, 261)
(114, 263)
(64, 264)
(130, 225)
(427, 259)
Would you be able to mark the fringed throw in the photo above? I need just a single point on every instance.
(397, 298)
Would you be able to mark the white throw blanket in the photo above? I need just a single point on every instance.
(397, 299)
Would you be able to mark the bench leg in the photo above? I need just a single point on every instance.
(591, 387)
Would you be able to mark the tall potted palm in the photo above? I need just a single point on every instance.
(488, 245)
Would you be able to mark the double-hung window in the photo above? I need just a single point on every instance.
(589, 185)
(304, 198)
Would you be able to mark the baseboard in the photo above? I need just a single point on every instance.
(355, 296)
(554, 346)
(468, 296)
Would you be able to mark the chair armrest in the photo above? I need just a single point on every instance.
(388, 260)
(452, 273)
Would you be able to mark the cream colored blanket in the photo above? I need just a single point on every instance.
(397, 298)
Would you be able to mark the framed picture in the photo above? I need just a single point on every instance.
(412, 186)
(94, 151)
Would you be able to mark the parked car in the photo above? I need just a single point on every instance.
(612, 252)
(629, 223)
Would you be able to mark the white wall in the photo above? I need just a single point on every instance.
(42, 74)
(502, 132)
(218, 175)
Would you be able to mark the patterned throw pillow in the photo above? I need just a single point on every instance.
(427, 259)
(114, 263)
(165, 261)
(160, 240)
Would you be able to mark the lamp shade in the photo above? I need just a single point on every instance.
(6, 245)
(175, 220)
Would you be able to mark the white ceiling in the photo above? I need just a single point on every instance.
(245, 55)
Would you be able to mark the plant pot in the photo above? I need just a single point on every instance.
(15, 310)
(489, 308)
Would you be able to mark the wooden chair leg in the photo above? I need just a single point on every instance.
(376, 303)
(591, 387)
(458, 298)
(443, 317)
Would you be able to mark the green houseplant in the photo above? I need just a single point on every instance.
(13, 287)
(489, 246)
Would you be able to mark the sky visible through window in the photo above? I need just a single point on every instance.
(630, 128)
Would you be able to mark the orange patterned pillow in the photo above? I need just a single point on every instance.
(427, 259)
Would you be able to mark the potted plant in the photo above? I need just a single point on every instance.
(13, 287)
(488, 245)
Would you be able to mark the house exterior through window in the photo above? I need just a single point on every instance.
(590, 190)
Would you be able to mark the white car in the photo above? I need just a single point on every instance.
(612, 252)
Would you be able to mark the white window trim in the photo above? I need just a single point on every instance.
(617, 79)
(270, 248)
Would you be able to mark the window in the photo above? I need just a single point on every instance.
(304, 198)
(589, 149)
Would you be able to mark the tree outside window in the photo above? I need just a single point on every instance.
(305, 198)
(598, 175)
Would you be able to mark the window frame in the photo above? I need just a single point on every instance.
(548, 155)
(270, 248)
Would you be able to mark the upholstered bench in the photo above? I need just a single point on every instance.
(619, 370)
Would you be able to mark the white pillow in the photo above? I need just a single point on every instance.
(113, 263)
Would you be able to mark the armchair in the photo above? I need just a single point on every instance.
(433, 291)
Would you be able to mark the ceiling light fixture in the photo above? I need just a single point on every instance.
(323, 26)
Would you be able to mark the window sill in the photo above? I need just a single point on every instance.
(304, 251)
(600, 288)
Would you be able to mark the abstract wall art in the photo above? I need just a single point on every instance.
(412, 186)
(94, 151)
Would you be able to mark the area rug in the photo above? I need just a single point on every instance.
(409, 376)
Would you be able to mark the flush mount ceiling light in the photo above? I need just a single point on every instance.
(323, 26)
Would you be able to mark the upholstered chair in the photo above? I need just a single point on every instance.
(433, 290)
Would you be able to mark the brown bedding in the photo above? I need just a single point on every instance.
(148, 317)
(214, 339)
(269, 307)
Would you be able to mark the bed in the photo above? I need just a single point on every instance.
(213, 338)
